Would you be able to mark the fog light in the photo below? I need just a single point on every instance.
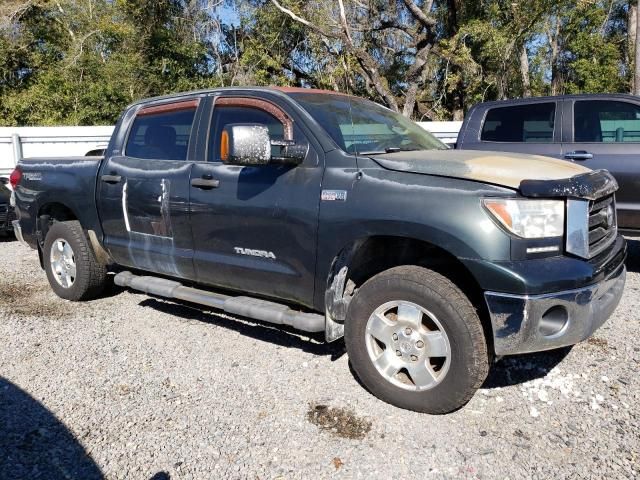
(553, 321)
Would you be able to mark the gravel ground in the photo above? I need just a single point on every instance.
(133, 387)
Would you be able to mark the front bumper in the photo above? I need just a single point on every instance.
(532, 323)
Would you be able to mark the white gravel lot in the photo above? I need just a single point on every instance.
(138, 388)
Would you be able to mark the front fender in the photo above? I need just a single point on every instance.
(440, 211)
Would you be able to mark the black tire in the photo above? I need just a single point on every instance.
(91, 276)
(469, 360)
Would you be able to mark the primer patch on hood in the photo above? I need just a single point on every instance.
(498, 168)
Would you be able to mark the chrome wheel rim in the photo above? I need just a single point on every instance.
(63, 263)
(408, 345)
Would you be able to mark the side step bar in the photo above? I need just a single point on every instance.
(244, 306)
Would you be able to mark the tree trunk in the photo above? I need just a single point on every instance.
(554, 40)
(457, 94)
(636, 74)
(524, 71)
(631, 41)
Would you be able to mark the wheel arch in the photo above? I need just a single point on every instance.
(48, 213)
(365, 257)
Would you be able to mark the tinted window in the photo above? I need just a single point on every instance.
(359, 126)
(161, 135)
(224, 115)
(604, 121)
(522, 123)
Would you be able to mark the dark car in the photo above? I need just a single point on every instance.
(330, 213)
(597, 131)
(6, 210)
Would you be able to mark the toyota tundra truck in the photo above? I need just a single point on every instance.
(330, 213)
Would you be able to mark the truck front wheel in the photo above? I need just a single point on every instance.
(415, 341)
(72, 269)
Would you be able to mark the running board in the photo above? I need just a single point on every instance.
(244, 306)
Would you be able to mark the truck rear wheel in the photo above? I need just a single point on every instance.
(415, 341)
(72, 269)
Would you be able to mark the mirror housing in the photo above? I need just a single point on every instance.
(291, 153)
(245, 144)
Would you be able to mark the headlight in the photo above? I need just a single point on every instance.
(528, 218)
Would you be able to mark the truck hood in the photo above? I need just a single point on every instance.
(498, 168)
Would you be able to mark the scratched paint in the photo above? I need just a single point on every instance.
(145, 217)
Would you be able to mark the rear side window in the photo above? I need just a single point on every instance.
(602, 121)
(162, 132)
(520, 124)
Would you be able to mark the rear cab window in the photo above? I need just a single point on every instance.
(162, 132)
(605, 121)
(533, 123)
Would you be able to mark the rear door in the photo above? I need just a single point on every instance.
(532, 128)
(143, 192)
(606, 135)
(256, 230)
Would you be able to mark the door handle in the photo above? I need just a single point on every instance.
(578, 155)
(205, 183)
(112, 179)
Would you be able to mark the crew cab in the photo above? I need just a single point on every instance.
(329, 213)
(599, 131)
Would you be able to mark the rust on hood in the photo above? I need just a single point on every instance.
(498, 168)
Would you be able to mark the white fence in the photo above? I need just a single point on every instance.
(17, 142)
(447, 132)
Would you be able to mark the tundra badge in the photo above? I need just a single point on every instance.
(254, 253)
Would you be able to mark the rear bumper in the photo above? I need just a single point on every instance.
(533, 323)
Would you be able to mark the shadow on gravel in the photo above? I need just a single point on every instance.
(524, 368)
(265, 332)
(633, 258)
(35, 444)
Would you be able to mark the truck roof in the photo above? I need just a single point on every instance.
(280, 90)
(581, 96)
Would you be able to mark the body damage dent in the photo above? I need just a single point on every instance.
(144, 245)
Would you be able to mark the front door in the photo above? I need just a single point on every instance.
(256, 230)
(606, 135)
(143, 192)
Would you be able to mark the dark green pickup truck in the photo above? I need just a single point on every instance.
(329, 213)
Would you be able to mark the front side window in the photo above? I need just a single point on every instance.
(227, 114)
(162, 132)
(361, 126)
(520, 124)
(602, 121)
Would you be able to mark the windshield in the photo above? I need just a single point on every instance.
(362, 126)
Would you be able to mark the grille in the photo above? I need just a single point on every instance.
(603, 224)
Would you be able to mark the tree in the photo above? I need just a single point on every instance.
(81, 61)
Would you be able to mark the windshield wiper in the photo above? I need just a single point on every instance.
(389, 150)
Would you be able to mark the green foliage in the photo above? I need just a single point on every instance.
(64, 63)
(80, 62)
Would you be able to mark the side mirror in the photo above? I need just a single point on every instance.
(249, 144)
(245, 144)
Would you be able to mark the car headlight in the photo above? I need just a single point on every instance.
(528, 218)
